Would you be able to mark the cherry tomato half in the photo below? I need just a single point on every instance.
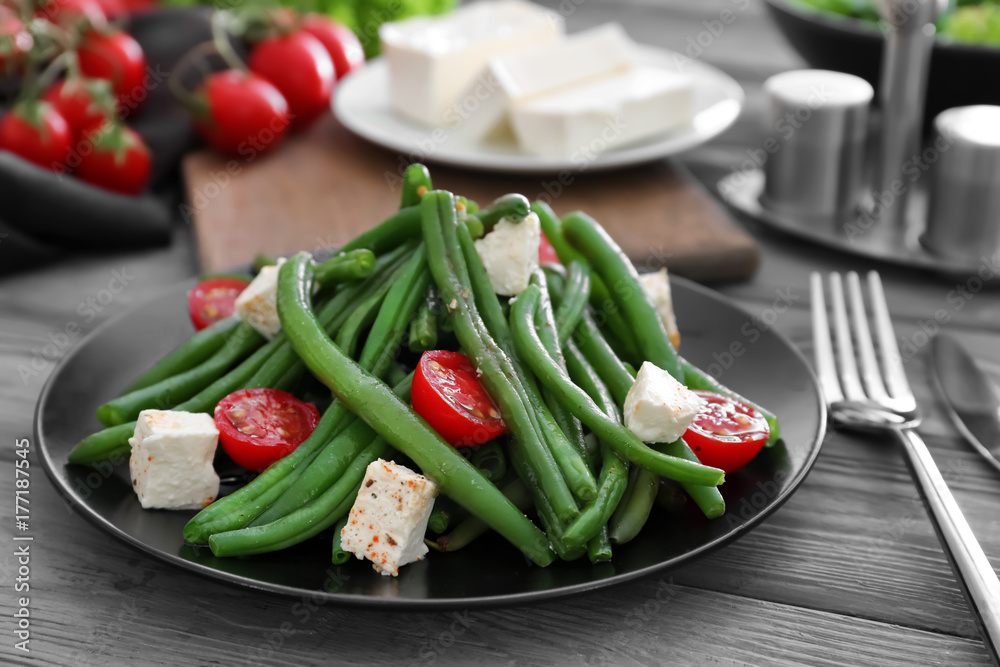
(299, 66)
(726, 434)
(546, 253)
(214, 299)
(260, 426)
(447, 393)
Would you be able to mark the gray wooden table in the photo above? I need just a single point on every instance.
(847, 572)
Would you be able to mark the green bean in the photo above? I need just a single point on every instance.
(708, 498)
(339, 556)
(472, 527)
(423, 328)
(416, 181)
(173, 390)
(187, 355)
(438, 521)
(695, 378)
(574, 300)
(395, 420)
(508, 206)
(599, 548)
(555, 276)
(617, 270)
(600, 296)
(388, 234)
(490, 460)
(345, 267)
(471, 207)
(581, 405)
(595, 348)
(632, 512)
(451, 272)
(108, 444)
(395, 373)
(364, 315)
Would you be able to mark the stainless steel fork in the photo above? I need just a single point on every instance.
(863, 396)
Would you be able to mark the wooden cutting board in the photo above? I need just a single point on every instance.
(320, 188)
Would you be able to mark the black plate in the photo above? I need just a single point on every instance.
(754, 361)
(845, 44)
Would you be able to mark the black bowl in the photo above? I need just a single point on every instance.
(960, 74)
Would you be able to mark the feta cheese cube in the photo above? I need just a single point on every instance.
(658, 408)
(433, 59)
(389, 517)
(510, 253)
(257, 305)
(657, 289)
(171, 462)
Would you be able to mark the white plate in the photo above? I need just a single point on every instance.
(361, 102)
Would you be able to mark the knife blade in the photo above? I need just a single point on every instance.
(971, 397)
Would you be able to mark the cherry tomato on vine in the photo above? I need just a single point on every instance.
(260, 426)
(339, 41)
(38, 133)
(298, 66)
(86, 104)
(726, 434)
(214, 299)
(118, 160)
(71, 13)
(117, 57)
(447, 393)
(15, 42)
(240, 112)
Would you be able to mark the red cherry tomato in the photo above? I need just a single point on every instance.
(259, 426)
(726, 434)
(85, 103)
(447, 393)
(15, 42)
(38, 133)
(241, 113)
(72, 13)
(298, 66)
(119, 160)
(339, 41)
(214, 299)
(546, 253)
(117, 57)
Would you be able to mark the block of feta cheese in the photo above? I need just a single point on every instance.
(510, 253)
(389, 517)
(433, 59)
(514, 79)
(658, 408)
(257, 305)
(171, 462)
(657, 289)
(587, 120)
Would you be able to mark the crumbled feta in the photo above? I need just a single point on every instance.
(389, 518)
(510, 253)
(658, 408)
(171, 462)
(657, 289)
(257, 305)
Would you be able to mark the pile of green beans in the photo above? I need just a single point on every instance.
(558, 360)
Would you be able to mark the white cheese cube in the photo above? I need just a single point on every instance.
(587, 120)
(657, 289)
(389, 517)
(658, 408)
(257, 305)
(515, 79)
(510, 253)
(171, 462)
(433, 59)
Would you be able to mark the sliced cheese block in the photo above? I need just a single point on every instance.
(585, 121)
(433, 59)
(516, 79)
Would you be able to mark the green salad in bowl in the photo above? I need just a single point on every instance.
(970, 21)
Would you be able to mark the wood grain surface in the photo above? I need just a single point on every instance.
(320, 188)
(848, 572)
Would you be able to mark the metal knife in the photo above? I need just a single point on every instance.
(972, 399)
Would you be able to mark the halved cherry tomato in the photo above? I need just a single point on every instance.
(339, 41)
(214, 299)
(726, 434)
(259, 426)
(546, 253)
(447, 393)
(298, 66)
(117, 57)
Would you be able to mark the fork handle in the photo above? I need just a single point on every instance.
(972, 568)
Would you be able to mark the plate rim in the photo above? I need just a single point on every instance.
(439, 604)
(630, 156)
